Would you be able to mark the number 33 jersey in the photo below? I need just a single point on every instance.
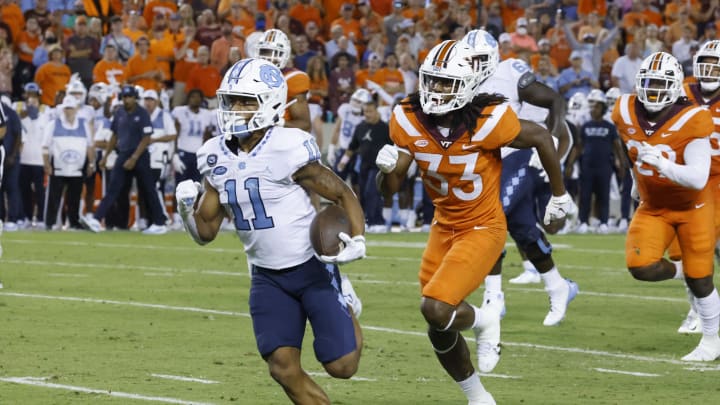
(460, 171)
(681, 125)
(271, 213)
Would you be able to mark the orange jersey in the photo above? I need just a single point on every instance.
(104, 70)
(51, 78)
(461, 172)
(298, 82)
(137, 65)
(206, 78)
(693, 92)
(683, 124)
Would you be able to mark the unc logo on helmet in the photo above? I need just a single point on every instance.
(485, 54)
(255, 79)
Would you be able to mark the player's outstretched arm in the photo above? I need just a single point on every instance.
(393, 163)
(201, 222)
(323, 181)
(299, 114)
(538, 94)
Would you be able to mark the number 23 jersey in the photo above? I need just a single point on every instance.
(461, 172)
(271, 213)
(681, 125)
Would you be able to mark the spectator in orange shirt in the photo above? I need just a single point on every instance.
(133, 30)
(158, 7)
(313, 34)
(510, 12)
(162, 46)
(350, 26)
(678, 28)
(12, 15)
(305, 12)
(372, 72)
(26, 44)
(219, 52)
(52, 76)
(241, 17)
(185, 57)
(143, 69)
(205, 77)
(393, 81)
(543, 52)
(593, 26)
(370, 21)
(109, 69)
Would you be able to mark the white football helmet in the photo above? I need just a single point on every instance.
(707, 71)
(448, 65)
(274, 46)
(358, 99)
(596, 96)
(76, 88)
(99, 91)
(251, 44)
(612, 95)
(251, 78)
(659, 81)
(486, 56)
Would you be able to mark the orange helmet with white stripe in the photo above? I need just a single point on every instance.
(659, 81)
(274, 47)
(446, 78)
(706, 66)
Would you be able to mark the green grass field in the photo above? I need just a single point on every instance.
(83, 316)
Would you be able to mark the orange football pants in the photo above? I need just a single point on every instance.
(674, 251)
(456, 261)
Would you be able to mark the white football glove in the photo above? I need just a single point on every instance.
(652, 156)
(387, 158)
(354, 249)
(559, 207)
(330, 157)
(535, 162)
(178, 165)
(186, 193)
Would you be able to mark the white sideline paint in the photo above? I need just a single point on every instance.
(598, 353)
(324, 374)
(167, 271)
(633, 373)
(76, 275)
(40, 382)
(186, 379)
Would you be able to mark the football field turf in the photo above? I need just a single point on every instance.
(124, 318)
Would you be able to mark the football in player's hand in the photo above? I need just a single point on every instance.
(555, 226)
(325, 228)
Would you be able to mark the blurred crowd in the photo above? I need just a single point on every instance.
(180, 48)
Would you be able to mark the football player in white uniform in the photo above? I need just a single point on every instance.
(523, 190)
(349, 115)
(257, 173)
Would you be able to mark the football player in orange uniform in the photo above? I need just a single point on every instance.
(274, 46)
(455, 138)
(706, 91)
(667, 140)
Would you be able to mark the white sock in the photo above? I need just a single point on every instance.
(691, 299)
(404, 215)
(472, 387)
(552, 279)
(387, 214)
(529, 267)
(478, 317)
(679, 274)
(493, 283)
(709, 310)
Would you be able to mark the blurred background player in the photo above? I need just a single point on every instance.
(523, 192)
(290, 286)
(4, 122)
(454, 135)
(32, 188)
(667, 142)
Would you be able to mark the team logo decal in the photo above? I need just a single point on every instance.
(212, 160)
(219, 171)
(71, 156)
(631, 131)
(421, 143)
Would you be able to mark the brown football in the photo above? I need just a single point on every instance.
(325, 228)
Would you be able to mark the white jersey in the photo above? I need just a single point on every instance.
(271, 213)
(32, 135)
(160, 152)
(348, 124)
(67, 145)
(192, 127)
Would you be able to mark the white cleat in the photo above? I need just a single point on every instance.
(526, 277)
(486, 399)
(603, 229)
(691, 324)
(351, 298)
(707, 350)
(155, 230)
(559, 301)
(582, 228)
(487, 338)
(90, 223)
(622, 226)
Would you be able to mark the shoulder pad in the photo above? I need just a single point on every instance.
(525, 80)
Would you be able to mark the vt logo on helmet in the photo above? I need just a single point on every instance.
(251, 97)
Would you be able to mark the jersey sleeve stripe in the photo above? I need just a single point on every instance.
(490, 123)
(292, 74)
(625, 109)
(404, 122)
(716, 120)
(685, 118)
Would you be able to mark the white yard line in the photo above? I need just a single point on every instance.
(186, 379)
(324, 374)
(598, 353)
(632, 373)
(40, 382)
(75, 275)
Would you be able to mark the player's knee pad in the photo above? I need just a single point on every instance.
(538, 250)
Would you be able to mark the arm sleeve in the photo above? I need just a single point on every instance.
(695, 172)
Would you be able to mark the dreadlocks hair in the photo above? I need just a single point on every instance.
(468, 114)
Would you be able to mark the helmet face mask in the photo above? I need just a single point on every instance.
(252, 96)
(447, 81)
(706, 66)
(486, 56)
(659, 81)
(274, 47)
